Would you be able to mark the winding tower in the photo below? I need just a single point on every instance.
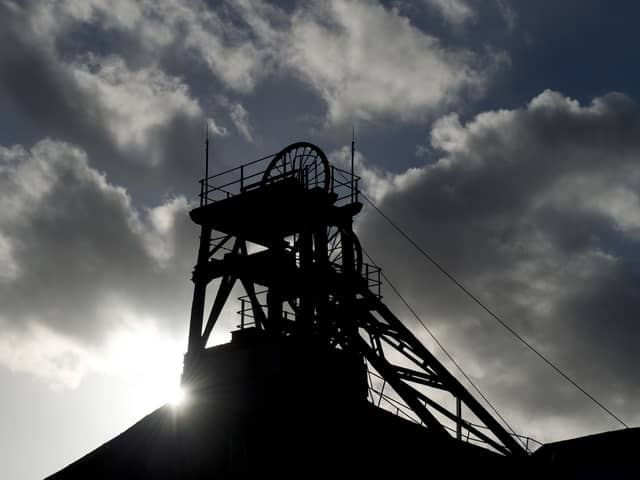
(320, 378)
(281, 228)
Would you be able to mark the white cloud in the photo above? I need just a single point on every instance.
(216, 129)
(364, 60)
(9, 270)
(225, 48)
(57, 360)
(240, 118)
(456, 12)
(129, 114)
(369, 62)
(133, 103)
(159, 240)
(375, 182)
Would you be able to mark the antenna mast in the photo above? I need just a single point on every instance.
(353, 147)
(353, 152)
(206, 154)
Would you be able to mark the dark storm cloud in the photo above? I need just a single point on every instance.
(136, 121)
(78, 258)
(537, 211)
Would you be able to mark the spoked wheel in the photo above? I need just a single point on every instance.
(303, 161)
(343, 254)
(344, 250)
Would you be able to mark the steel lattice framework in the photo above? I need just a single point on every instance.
(282, 228)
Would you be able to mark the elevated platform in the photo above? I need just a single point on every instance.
(265, 215)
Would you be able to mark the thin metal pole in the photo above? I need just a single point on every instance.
(206, 164)
(459, 417)
(353, 151)
(384, 384)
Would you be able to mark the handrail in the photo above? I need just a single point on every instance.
(248, 164)
(237, 180)
(401, 408)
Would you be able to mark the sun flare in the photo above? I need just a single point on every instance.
(178, 397)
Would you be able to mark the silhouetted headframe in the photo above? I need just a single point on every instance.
(309, 281)
(320, 378)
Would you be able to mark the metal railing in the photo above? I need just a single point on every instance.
(344, 184)
(233, 181)
(402, 410)
(371, 274)
(247, 317)
(249, 176)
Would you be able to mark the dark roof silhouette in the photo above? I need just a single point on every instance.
(277, 424)
(603, 455)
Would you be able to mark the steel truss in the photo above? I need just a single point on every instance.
(309, 279)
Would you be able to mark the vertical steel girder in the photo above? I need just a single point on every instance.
(199, 291)
(201, 278)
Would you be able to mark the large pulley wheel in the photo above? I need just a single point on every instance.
(344, 250)
(303, 161)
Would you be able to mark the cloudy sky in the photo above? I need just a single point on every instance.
(503, 135)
